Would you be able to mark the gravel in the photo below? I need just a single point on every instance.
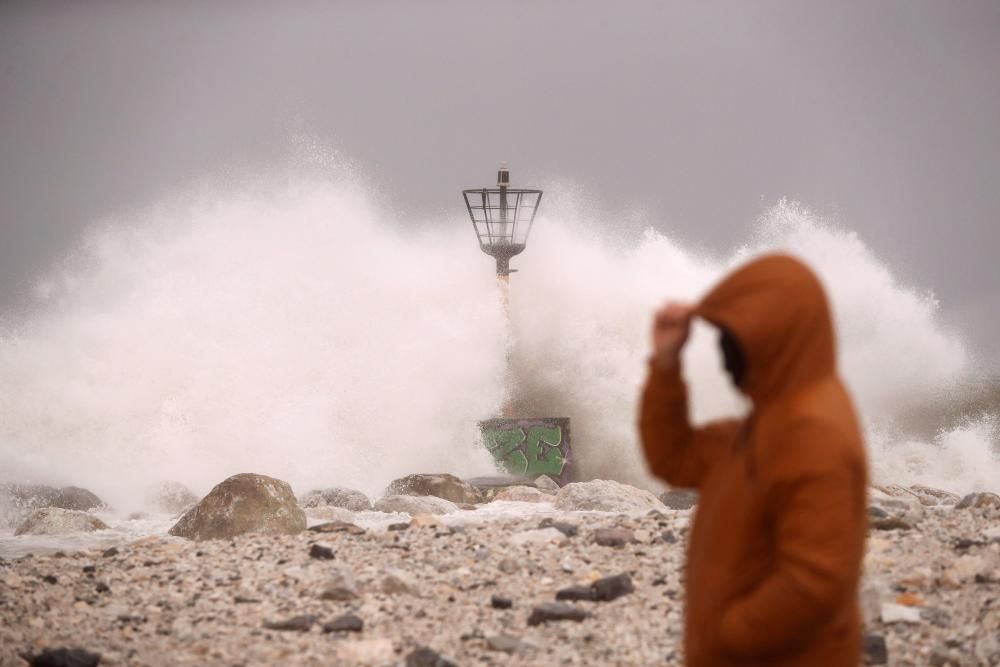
(465, 594)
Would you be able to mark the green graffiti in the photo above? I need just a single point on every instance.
(534, 453)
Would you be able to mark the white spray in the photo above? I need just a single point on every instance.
(295, 330)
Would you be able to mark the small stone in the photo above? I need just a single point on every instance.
(577, 593)
(507, 644)
(340, 588)
(50, 579)
(897, 613)
(108, 553)
(935, 616)
(295, 624)
(556, 611)
(102, 587)
(425, 521)
(613, 537)
(338, 527)
(910, 600)
(425, 657)
(63, 657)
(508, 565)
(321, 552)
(398, 526)
(501, 602)
(612, 588)
(668, 537)
(398, 582)
(875, 650)
(348, 499)
(677, 499)
(891, 523)
(567, 529)
(345, 623)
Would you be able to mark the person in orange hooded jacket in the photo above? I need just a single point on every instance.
(776, 546)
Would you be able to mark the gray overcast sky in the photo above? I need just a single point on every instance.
(886, 114)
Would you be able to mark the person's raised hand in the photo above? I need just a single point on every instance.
(671, 327)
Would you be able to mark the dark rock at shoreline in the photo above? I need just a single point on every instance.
(337, 496)
(76, 498)
(56, 521)
(244, 503)
(444, 486)
(337, 527)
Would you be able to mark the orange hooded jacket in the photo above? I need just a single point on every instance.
(777, 541)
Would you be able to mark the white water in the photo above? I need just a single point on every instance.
(295, 329)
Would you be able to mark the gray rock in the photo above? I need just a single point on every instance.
(489, 487)
(295, 624)
(19, 500)
(604, 495)
(170, 497)
(556, 611)
(679, 499)
(321, 552)
(875, 651)
(546, 483)
(501, 602)
(63, 657)
(244, 503)
(55, 521)
(930, 496)
(567, 529)
(980, 500)
(425, 657)
(345, 623)
(611, 588)
(76, 498)
(337, 496)
(444, 486)
(396, 582)
(341, 587)
(507, 644)
(415, 505)
(337, 527)
(613, 537)
(524, 494)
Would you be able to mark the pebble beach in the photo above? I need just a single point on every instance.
(504, 583)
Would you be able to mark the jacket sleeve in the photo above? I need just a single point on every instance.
(676, 452)
(820, 528)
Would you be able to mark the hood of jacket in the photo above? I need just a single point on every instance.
(776, 309)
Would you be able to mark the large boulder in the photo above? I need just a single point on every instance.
(76, 498)
(605, 495)
(19, 500)
(244, 503)
(336, 496)
(444, 486)
(56, 521)
(170, 497)
(415, 505)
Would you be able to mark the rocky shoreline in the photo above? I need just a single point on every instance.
(551, 586)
